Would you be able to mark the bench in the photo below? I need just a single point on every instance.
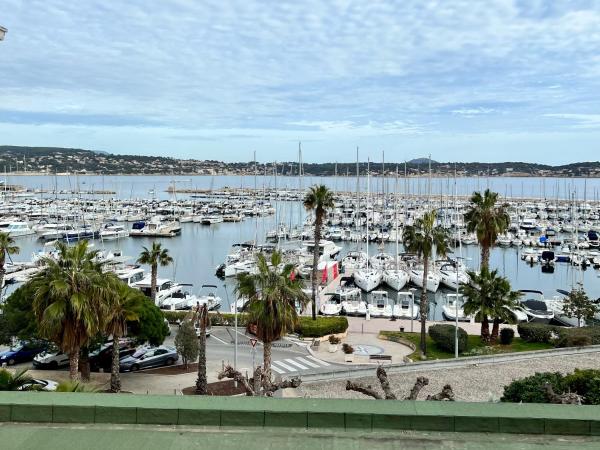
(380, 358)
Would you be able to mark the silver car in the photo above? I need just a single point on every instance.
(145, 358)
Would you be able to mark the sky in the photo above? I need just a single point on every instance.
(490, 80)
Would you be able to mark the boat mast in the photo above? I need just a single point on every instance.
(396, 218)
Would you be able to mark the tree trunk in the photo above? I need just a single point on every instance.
(84, 363)
(115, 376)
(74, 364)
(315, 280)
(267, 363)
(485, 256)
(485, 328)
(154, 275)
(423, 309)
(2, 271)
(201, 381)
(495, 330)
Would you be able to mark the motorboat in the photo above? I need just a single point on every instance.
(130, 275)
(164, 288)
(380, 305)
(209, 297)
(332, 306)
(453, 308)
(405, 307)
(18, 229)
(155, 228)
(111, 231)
(535, 306)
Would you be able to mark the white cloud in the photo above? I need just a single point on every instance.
(582, 120)
(471, 112)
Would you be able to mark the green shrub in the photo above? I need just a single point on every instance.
(531, 389)
(216, 319)
(347, 349)
(443, 336)
(585, 383)
(537, 332)
(578, 337)
(322, 326)
(506, 336)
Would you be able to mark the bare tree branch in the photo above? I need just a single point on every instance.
(385, 384)
(416, 390)
(446, 395)
(363, 389)
(568, 398)
(230, 372)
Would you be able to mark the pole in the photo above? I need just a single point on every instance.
(412, 307)
(235, 333)
(456, 316)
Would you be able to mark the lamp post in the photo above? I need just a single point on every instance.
(2, 32)
(412, 307)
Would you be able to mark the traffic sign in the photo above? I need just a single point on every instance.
(253, 342)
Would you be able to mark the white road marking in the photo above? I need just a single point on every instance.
(297, 364)
(308, 363)
(277, 369)
(285, 366)
(212, 336)
(323, 363)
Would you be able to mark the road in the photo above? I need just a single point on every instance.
(288, 358)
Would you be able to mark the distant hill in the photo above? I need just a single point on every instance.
(75, 160)
(419, 161)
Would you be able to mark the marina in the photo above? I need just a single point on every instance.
(551, 246)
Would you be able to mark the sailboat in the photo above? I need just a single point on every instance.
(396, 278)
(368, 279)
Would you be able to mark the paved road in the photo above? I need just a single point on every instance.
(288, 358)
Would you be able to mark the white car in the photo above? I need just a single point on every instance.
(50, 359)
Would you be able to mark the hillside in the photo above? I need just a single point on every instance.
(73, 160)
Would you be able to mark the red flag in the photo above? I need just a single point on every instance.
(335, 271)
(293, 275)
(324, 278)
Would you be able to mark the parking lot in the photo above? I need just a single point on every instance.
(288, 360)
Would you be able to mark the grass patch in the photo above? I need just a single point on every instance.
(475, 346)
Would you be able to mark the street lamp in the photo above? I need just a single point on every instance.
(2, 32)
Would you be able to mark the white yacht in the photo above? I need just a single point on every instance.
(354, 260)
(396, 278)
(17, 229)
(381, 261)
(453, 308)
(405, 307)
(209, 297)
(380, 305)
(452, 279)
(112, 231)
(332, 306)
(536, 306)
(433, 279)
(155, 228)
(164, 288)
(368, 279)
(130, 275)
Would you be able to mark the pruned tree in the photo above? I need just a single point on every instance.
(445, 395)
(254, 387)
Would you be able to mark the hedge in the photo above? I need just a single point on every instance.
(506, 336)
(307, 327)
(531, 389)
(444, 337)
(215, 319)
(537, 332)
(322, 326)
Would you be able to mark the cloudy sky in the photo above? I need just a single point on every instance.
(490, 80)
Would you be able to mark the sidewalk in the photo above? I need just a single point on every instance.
(362, 326)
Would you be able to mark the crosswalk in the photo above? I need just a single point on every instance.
(297, 365)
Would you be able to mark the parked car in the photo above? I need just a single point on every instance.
(149, 357)
(197, 328)
(22, 352)
(102, 358)
(52, 358)
(40, 385)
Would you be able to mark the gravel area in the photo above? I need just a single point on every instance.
(474, 383)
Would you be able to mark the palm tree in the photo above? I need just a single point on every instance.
(272, 298)
(16, 381)
(487, 220)
(489, 295)
(7, 247)
(72, 299)
(154, 257)
(125, 307)
(201, 381)
(318, 199)
(423, 238)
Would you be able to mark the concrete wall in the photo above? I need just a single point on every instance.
(365, 415)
